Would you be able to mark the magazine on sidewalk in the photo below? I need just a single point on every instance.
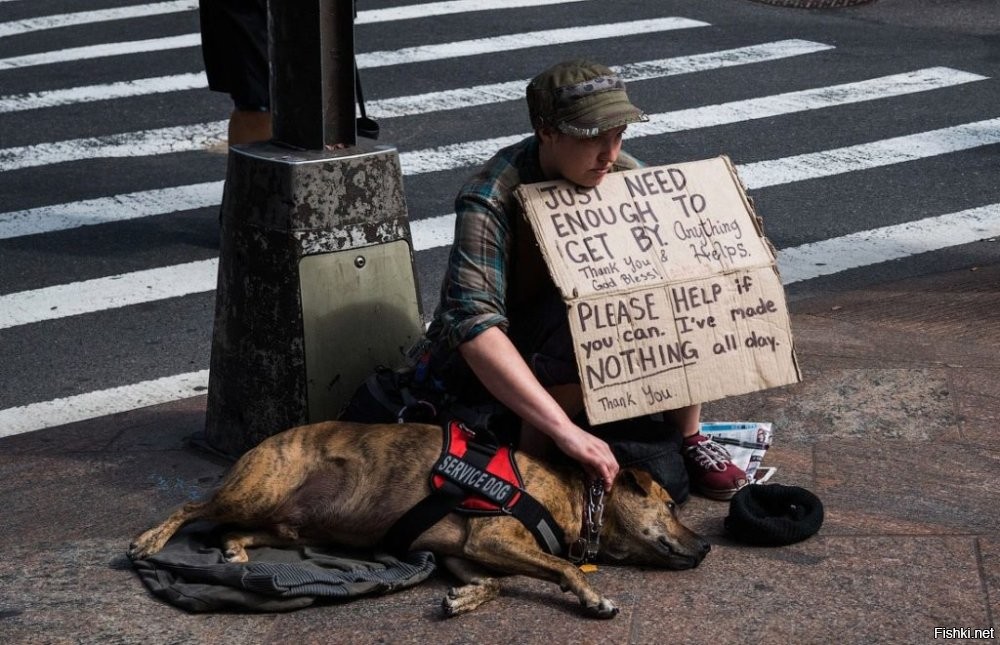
(747, 443)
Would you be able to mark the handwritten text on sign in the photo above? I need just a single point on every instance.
(671, 286)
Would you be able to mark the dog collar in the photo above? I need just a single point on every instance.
(586, 547)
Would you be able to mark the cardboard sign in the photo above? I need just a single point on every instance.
(673, 292)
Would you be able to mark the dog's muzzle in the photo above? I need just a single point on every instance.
(687, 559)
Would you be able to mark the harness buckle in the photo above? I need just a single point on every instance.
(577, 553)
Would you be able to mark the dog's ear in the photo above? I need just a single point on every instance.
(641, 480)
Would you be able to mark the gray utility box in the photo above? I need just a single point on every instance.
(316, 287)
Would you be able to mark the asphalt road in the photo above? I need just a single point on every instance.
(868, 138)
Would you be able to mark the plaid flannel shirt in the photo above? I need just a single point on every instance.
(474, 289)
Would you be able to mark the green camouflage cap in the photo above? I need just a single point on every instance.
(580, 98)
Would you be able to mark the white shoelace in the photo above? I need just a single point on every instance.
(710, 455)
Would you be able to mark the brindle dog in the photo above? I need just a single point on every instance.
(347, 483)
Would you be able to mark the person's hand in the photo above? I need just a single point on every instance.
(592, 453)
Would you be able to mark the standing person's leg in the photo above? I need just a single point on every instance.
(234, 48)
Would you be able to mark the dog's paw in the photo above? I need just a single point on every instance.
(451, 605)
(142, 547)
(135, 551)
(604, 608)
(234, 554)
(467, 597)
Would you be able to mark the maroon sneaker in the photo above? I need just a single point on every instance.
(711, 469)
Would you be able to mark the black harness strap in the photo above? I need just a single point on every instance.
(537, 519)
(431, 509)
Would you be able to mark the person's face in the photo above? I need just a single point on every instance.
(584, 162)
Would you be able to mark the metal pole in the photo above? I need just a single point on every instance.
(311, 48)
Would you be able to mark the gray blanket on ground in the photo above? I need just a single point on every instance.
(190, 573)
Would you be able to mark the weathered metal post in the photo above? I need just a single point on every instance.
(316, 282)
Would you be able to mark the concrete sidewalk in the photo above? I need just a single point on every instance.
(895, 428)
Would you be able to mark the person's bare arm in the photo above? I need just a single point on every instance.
(500, 367)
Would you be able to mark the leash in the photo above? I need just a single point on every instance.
(586, 547)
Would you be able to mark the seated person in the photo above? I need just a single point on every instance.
(501, 333)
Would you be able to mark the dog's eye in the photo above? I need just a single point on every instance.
(672, 507)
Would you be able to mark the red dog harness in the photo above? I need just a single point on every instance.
(477, 477)
(493, 490)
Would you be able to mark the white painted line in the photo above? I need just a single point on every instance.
(183, 138)
(921, 80)
(513, 42)
(514, 90)
(174, 6)
(433, 232)
(116, 208)
(475, 152)
(864, 156)
(895, 242)
(381, 58)
(430, 9)
(112, 292)
(430, 101)
(91, 405)
(90, 93)
(200, 136)
(101, 51)
(100, 15)
(804, 262)
(757, 175)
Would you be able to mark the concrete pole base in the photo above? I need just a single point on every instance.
(316, 287)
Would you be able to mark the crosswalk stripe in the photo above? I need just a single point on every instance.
(369, 16)
(112, 292)
(430, 101)
(514, 90)
(91, 405)
(58, 301)
(182, 138)
(430, 9)
(895, 242)
(90, 93)
(865, 156)
(433, 232)
(471, 153)
(101, 51)
(117, 208)
(195, 137)
(855, 250)
(511, 42)
(100, 15)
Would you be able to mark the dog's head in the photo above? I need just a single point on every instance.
(641, 526)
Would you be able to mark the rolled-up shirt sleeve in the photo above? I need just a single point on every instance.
(473, 295)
